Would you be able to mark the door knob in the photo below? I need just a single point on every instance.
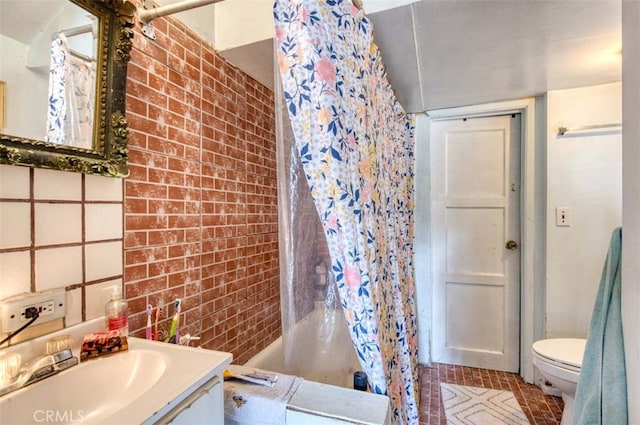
(512, 245)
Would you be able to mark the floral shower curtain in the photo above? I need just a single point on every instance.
(356, 145)
(71, 97)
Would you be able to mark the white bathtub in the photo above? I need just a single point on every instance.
(321, 351)
(271, 358)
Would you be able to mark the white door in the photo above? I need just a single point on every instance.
(475, 175)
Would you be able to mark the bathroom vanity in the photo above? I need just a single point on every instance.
(198, 396)
(152, 382)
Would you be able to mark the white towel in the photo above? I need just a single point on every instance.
(257, 404)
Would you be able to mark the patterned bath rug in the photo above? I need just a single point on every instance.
(480, 406)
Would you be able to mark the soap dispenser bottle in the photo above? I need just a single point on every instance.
(116, 313)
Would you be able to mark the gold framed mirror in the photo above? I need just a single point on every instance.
(64, 71)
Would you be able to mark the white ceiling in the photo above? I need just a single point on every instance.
(445, 53)
(19, 18)
(461, 52)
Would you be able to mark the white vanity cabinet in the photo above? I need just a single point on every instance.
(198, 396)
(149, 383)
(205, 405)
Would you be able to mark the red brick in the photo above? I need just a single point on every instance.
(202, 155)
(166, 237)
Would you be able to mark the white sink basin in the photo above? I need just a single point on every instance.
(127, 387)
(88, 391)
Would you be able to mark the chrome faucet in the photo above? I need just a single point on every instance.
(41, 368)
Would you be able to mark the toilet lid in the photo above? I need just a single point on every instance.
(562, 350)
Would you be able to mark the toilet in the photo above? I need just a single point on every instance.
(559, 361)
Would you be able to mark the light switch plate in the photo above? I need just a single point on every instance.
(563, 216)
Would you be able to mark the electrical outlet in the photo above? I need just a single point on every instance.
(563, 216)
(51, 305)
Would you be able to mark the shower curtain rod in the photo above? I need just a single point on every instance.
(71, 32)
(81, 56)
(148, 13)
(564, 130)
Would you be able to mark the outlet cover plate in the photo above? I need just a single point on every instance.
(51, 305)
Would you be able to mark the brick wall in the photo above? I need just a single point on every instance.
(200, 203)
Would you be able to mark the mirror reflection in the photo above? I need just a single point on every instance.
(63, 82)
(49, 71)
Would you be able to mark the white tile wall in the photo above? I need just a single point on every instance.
(99, 188)
(58, 267)
(57, 185)
(74, 307)
(60, 222)
(16, 273)
(15, 224)
(57, 223)
(103, 260)
(97, 296)
(14, 182)
(103, 221)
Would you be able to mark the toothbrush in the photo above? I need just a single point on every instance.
(174, 335)
(155, 332)
(149, 311)
(178, 310)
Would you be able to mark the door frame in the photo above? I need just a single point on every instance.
(530, 226)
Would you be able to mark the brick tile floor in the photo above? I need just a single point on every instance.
(540, 409)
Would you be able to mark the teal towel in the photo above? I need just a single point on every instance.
(601, 396)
